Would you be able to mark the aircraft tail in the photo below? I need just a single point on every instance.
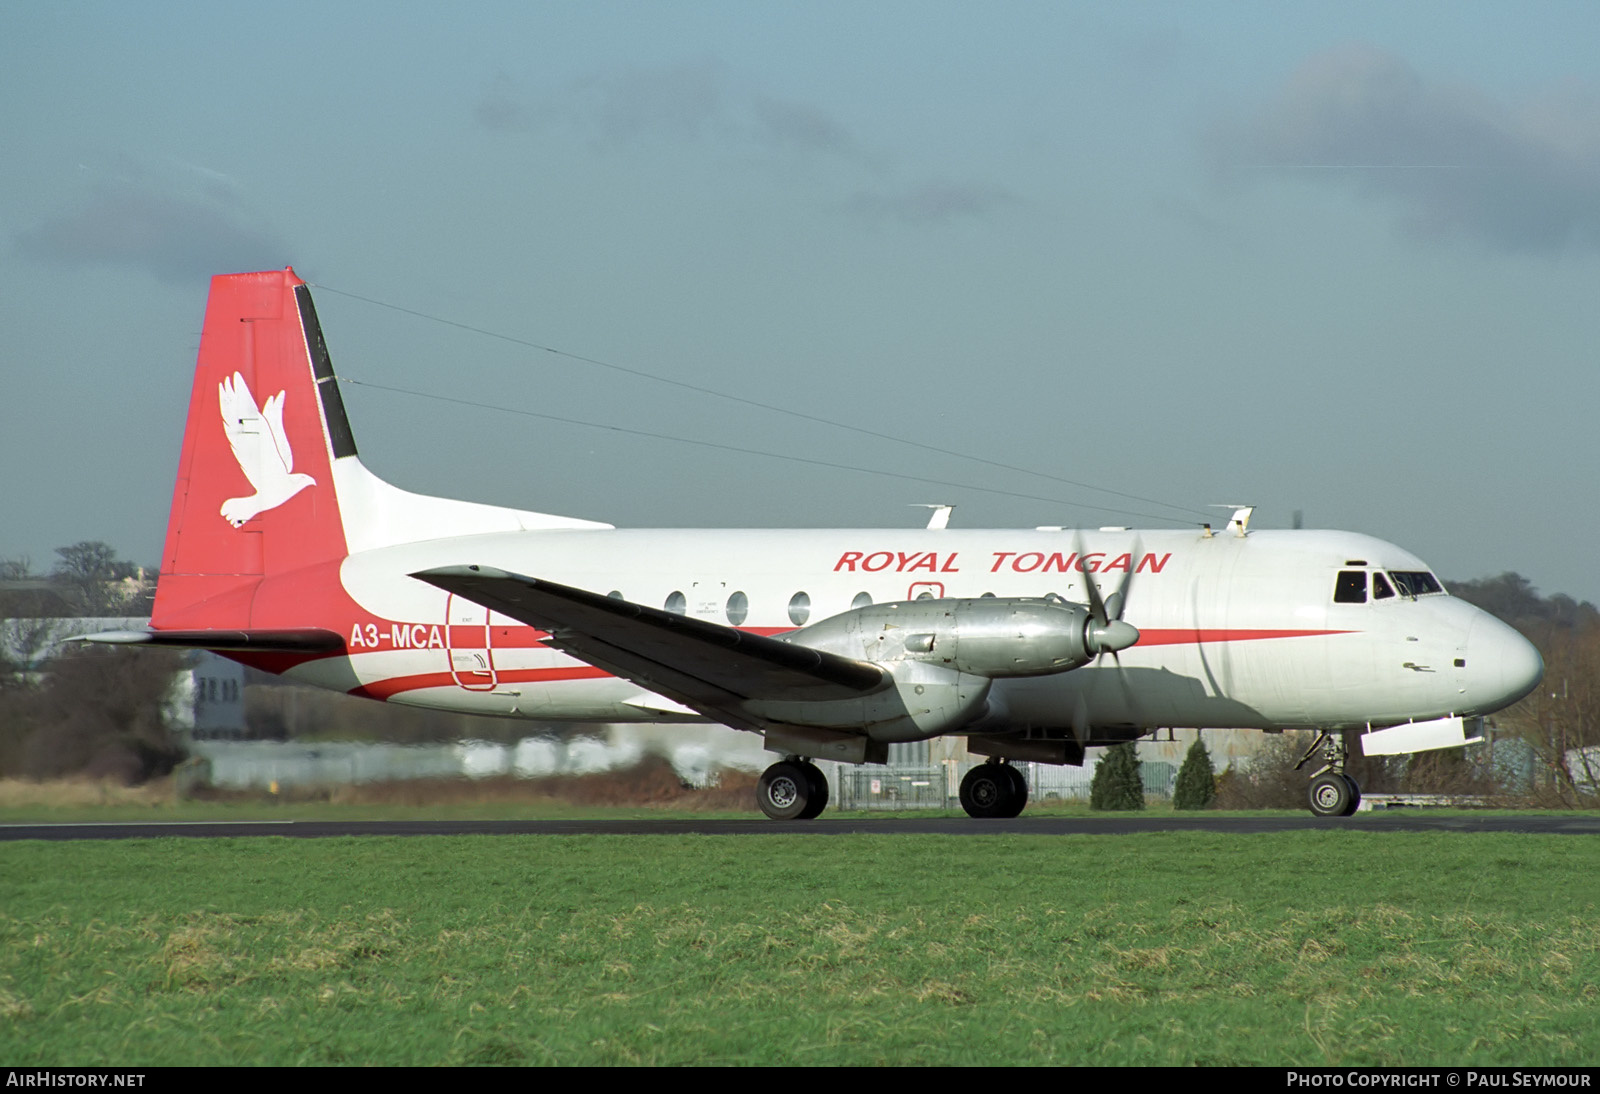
(269, 480)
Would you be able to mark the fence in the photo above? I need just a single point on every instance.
(905, 785)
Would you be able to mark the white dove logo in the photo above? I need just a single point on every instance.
(263, 453)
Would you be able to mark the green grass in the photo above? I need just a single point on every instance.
(1340, 948)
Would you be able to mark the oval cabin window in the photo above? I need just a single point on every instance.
(799, 609)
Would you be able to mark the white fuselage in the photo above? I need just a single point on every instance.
(1236, 631)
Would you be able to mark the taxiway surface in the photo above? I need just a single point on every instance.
(847, 826)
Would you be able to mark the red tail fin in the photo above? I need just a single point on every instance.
(255, 492)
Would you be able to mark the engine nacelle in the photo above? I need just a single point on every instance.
(941, 657)
(994, 637)
(919, 701)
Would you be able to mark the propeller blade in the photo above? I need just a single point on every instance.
(1129, 696)
(1121, 597)
(1117, 602)
(1080, 718)
(1097, 606)
(1127, 579)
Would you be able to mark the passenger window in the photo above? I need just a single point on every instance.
(1351, 588)
(799, 609)
(862, 600)
(738, 608)
(676, 604)
(1380, 588)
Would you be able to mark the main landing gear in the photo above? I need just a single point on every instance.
(994, 789)
(792, 789)
(1332, 792)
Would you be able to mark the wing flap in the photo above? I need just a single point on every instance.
(705, 666)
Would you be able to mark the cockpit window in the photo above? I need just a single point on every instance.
(1351, 588)
(1380, 588)
(1415, 583)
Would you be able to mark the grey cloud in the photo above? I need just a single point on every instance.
(1521, 178)
(705, 101)
(178, 237)
(783, 122)
(930, 203)
(682, 101)
(500, 110)
(695, 100)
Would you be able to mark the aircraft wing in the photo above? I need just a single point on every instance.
(706, 666)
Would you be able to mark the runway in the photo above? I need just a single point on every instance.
(1394, 821)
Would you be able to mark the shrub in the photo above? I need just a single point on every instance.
(1116, 783)
(1196, 787)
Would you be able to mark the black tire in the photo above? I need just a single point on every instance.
(987, 791)
(1332, 795)
(1355, 797)
(819, 790)
(1019, 791)
(785, 790)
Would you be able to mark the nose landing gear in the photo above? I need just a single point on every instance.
(1332, 792)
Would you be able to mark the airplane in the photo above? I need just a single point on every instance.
(285, 553)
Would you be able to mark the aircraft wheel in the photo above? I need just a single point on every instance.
(819, 790)
(988, 791)
(1355, 797)
(1019, 791)
(1333, 795)
(786, 790)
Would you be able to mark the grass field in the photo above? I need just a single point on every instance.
(1166, 948)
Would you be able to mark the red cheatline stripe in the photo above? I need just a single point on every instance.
(463, 636)
(1182, 636)
(383, 689)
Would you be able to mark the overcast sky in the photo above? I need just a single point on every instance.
(1335, 258)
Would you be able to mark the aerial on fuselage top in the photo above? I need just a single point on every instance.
(283, 551)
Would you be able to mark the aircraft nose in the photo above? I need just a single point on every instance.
(1502, 665)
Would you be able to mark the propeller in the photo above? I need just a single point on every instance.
(1106, 632)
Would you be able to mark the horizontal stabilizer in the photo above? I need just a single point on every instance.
(708, 667)
(301, 640)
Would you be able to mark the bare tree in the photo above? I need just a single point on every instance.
(23, 642)
(96, 712)
(1561, 719)
(92, 570)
